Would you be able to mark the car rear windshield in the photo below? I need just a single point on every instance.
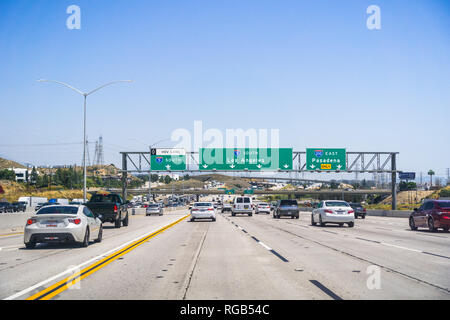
(153, 206)
(443, 204)
(203, 204)
(58, 210)
(263, 205)
(103, 198)
(336, 204)
(288, 202)
(355, 205)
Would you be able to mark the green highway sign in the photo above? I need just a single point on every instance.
(168, 159)
(249, 191)
(240, 159)
(230, 191)
(320, 159)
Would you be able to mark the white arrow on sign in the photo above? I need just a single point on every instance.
(168, 167)
(232, 166)
(312, 166)
(259, 166)
(286, 166)
(205, 166)
(339, 167)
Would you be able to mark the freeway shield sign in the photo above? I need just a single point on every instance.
(255, 159)
(168, 159)
(325, 159)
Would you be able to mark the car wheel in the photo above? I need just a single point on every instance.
(100, 235)
(312, 220)
(446, 229)
(322, 224)
(214, 219)
(125, 221)
(30, 245)
(85, 242)
(341, 224)
(351, 224)
(363, 216)
(431, 225)
(412, 225)
(233, 214)
(192, 219)
(117, 223)
(250, 214)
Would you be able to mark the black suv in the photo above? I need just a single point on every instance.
(6, 207)
(360, 211)
(19, 206)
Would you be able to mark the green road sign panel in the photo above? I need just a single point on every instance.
(249, 191)
(168, 159)
(320, 159)
(230, 191)
(239, 159)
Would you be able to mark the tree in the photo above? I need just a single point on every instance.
(7, 175)
(431, 173)
(34, 176)
(167, 179)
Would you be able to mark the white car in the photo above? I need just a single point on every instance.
(203, 210)
(333, 211)
(68, 223)
(242, 205)
(263, 208)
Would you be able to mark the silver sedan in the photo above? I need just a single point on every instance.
(63, 224)
(154, 208)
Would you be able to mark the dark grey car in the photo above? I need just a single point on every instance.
(287, 208)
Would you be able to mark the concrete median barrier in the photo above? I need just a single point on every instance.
(389, 213)
(13, 222)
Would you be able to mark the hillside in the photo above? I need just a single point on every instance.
(5, 164)
(229, 181)
(14, 190)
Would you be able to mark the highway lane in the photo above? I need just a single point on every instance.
(21, 268)
(245, 258)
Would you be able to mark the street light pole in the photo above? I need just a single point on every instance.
(85, 95)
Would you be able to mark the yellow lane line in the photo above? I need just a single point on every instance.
(66, 283)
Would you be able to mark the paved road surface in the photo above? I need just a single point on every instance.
(238, 257)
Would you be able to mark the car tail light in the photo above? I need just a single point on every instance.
(31, 221)
(210, 209)
(328, 211)
(350, 211)
(115, 207)
(444, 215)
(194, 209)
(364, 209)
(75, 221)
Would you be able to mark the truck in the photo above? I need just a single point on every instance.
(32, 201)
(110, 207)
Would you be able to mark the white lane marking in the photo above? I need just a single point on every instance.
(240, 227)
(265, 246)
(400, 247)
(14, 246)
(78, 267)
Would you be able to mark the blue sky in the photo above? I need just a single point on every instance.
(309, 68)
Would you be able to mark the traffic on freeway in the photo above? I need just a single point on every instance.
(224, 159)
(171, 256)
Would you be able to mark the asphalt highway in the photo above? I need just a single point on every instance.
(258, 257)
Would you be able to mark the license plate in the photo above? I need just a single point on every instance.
(51, 238)
(245, 207)
(51, 225)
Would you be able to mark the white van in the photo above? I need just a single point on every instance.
(242, 205)
(32, 201)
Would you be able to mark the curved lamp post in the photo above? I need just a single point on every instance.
(85, 94)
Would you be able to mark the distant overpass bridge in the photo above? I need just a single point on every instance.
(313, 193)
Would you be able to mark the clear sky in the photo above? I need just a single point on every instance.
(311, 69)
